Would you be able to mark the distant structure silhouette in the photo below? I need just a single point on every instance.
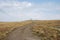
(32, 22)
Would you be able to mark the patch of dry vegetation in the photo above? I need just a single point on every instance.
(6, 27)
(46, 30)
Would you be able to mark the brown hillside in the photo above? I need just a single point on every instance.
(47, 27)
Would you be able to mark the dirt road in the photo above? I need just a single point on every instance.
(22, 33)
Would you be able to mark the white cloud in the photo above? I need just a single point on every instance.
(16, 11)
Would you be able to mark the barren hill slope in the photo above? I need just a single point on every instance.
(36, 30)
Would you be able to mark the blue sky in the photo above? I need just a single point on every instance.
(19, 10)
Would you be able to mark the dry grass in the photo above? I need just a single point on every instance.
(46, 30)
(6, 27)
